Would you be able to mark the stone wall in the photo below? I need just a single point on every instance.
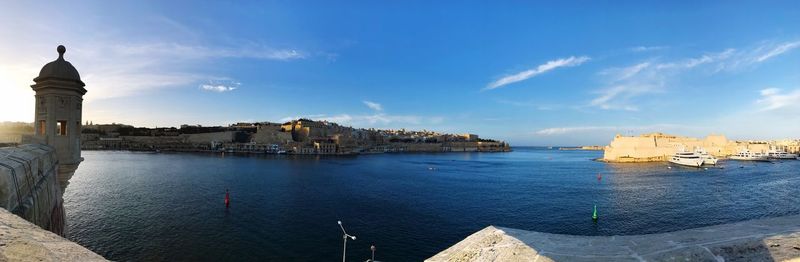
(271, 134)
(29, 185)
(770, 239)
(22, 241)
(207, 138)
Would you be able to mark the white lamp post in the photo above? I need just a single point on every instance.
(345, 236)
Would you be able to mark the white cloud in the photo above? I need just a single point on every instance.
(774, 99)
(579, 129)
(182, 51)
(217, 88)
(624, 85)
(777, 50)
(648, 48)
(373, 105)
(524, 75)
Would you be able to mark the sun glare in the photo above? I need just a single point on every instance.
(16, 98)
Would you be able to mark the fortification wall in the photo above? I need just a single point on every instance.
(207, 138)
(271, 135)
(29, 185)
(659, 147)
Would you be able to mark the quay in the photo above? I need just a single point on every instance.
(770, 239)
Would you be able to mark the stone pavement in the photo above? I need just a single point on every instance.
(771, 239)
(22, 241)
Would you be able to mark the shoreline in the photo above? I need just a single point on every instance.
(296, 154)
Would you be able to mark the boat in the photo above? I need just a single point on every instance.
(687, 158)
(708, 159)
(750, 156)
(775, 154)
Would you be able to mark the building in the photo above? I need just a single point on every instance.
(57, 120)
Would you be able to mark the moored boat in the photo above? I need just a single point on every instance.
(776, 154)
(687, 158)
(746, 155)
(708, 159)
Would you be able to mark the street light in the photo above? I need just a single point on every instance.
(373, 253)
(345, 236)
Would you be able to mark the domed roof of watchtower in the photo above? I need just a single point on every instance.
(60, 70)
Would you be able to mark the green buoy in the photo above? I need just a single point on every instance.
(594, 214)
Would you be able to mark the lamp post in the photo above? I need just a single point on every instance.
(345, 236)
(373, 252)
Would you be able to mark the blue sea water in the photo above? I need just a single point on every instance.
(133, 206)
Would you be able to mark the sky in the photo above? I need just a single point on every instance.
(530, 73)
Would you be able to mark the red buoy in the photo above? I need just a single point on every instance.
(227, 198)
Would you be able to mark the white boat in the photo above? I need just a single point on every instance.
(708, 159)
(687, 158)
(750, 156)
(775, 154)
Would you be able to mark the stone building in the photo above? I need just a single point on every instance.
(57, 121)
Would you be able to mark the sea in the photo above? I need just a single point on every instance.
(144, 206)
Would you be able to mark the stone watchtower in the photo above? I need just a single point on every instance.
(59, 98)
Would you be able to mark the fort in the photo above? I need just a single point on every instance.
(655, 147)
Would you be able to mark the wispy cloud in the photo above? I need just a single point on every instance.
(220, 85)
(373, 105)
(524, 75)
(217, 88)
(648, 48)
(579, 129)
(624, 85)
(777, 50)
(182, 51)
(531, 104)
(774, 99)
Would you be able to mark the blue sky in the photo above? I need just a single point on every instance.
(546, 73)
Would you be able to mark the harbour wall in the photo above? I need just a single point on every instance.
(29, 185)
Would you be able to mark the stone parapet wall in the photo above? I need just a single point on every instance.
(29, 185)
(770, 239)
(22, 241)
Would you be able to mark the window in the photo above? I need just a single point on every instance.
(42, 127)
(62, 128)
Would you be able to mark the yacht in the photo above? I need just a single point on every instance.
(708, 159)
(687, 158)
(751, 156)
(780, 155)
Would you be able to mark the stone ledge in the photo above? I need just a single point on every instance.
(22, 241)
(771, 239)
